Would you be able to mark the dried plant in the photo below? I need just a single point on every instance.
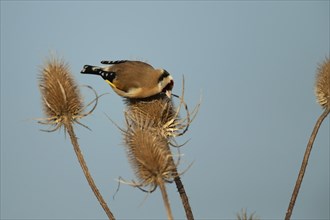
(322, 85)
(154, 122)
(157, 110)
(151, 159)
(244, 216)
(63, 106)
(62, 102)
(147, 147)
(161, 112)
(322, 91)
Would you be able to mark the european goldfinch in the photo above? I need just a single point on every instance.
(133, 79)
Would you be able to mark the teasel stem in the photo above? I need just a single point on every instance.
(184, 197)
(162, 189)
(82, 162)
(305, 162)
(182, 192)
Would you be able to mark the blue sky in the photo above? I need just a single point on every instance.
(253, 62)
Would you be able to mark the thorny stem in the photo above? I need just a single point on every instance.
(165, 199)
(84, 167)
(304, 163)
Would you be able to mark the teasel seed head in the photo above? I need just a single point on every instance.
(61, 99)
(162, 112)
(149, 155)
(322, 84)
(157, 110)
(244, 216)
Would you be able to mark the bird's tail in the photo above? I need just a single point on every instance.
(88, 69)
(95, 70)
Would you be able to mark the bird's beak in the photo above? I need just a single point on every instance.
(168, 93)
(168, 89)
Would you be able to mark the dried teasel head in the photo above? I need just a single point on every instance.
(162, 112)
(244, 216)
(147, 146)
(61, 99)
(150, 156)
(157, 110)
(322, 85)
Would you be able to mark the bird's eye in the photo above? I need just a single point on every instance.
(164, 75)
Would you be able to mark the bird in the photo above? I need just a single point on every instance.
(133, 79)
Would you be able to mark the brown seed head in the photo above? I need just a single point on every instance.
(60, 95)
(161, 112)
(244, 216)
(149, 155)
(322, 84)
(152, 124)
(158, 110)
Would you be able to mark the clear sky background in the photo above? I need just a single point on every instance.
(253, 62)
